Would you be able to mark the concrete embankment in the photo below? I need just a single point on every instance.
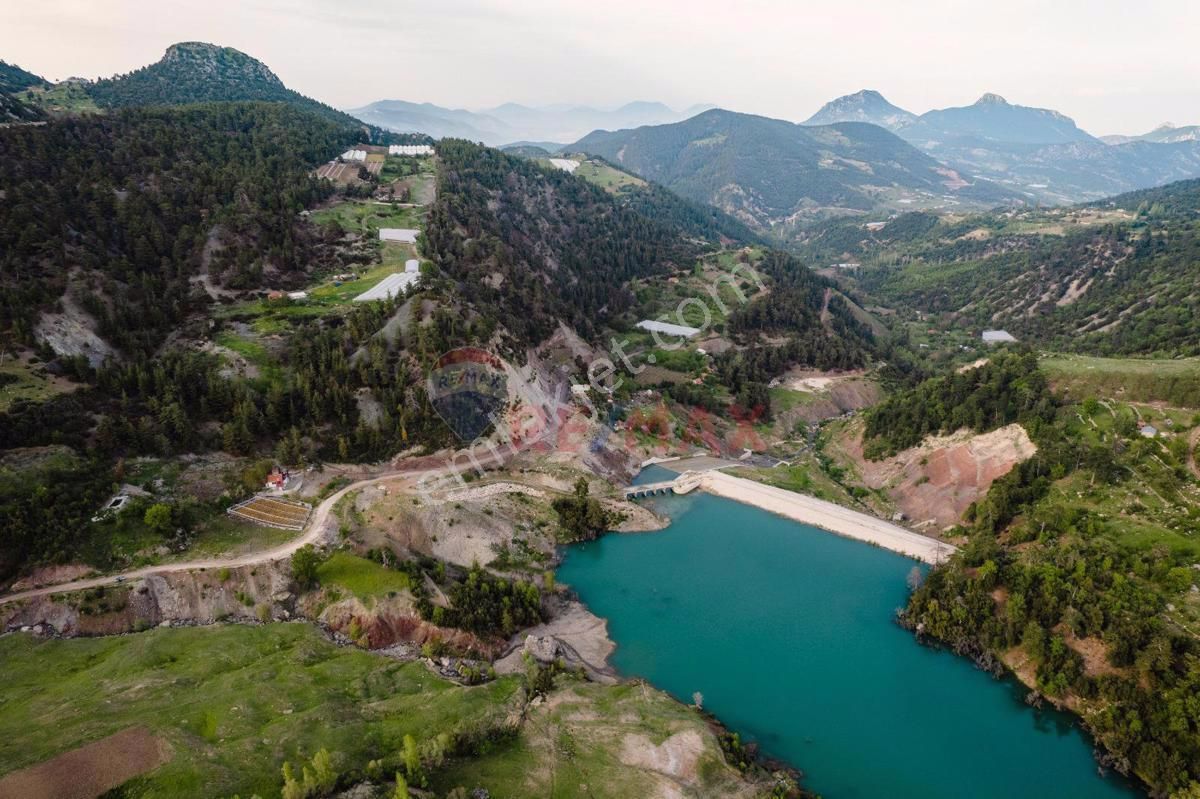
(828, 516)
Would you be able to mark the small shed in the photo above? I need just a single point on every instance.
(277, 479)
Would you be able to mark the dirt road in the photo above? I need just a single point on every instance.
(318, 531)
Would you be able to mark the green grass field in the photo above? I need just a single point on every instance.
(364, 578)
(225, 535)
(20, 381)
(367, 217)
(1174, 381)
(269, 318)
(605, 176)
(784, 399)
(269, 370)
(63, 98)
(233, 703)
(328, 295)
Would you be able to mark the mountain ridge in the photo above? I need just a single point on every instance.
(1039, 152)
(768, 171)
(197, 72)
(865, 105)
(1166, 133)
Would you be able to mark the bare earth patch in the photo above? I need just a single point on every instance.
(677, 757)
(51, 575)
(90, 770)
(935, 482)
(1094, 653)
(585, 633)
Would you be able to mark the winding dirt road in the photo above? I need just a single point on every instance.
(318, 530)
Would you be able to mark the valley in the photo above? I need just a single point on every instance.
(321, 435)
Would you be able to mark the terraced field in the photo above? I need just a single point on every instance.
(272, 512)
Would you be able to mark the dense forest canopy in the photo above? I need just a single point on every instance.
(122, 204)
(535, 246)
(1008, 388)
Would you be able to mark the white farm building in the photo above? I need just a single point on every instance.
(354, 155)
(565, 164)
(667, 329)
(401, 234)
(998, 337)
(410, 149)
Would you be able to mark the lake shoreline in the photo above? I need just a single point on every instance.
(647, 646)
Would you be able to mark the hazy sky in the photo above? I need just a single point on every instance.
(1116, 67)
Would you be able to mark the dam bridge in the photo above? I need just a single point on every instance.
(683, 484)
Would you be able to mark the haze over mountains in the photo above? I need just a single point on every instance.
(511, 122)
(191, 72)
(1039, 152)
(858, 154)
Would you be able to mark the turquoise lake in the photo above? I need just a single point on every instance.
(788, 633)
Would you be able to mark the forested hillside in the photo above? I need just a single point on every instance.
(120, 206)
(13, 79)
(814, 322)
(198, 72)
(1076, 567)
(1009, 388)
(698, 220)
(534, 246)
(1116, 277)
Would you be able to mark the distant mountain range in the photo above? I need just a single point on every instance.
(510, 123)
(993, 119)
(1039, 152)
(1163, 134)
(768, 172)
(858, 153)
(867, 105)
